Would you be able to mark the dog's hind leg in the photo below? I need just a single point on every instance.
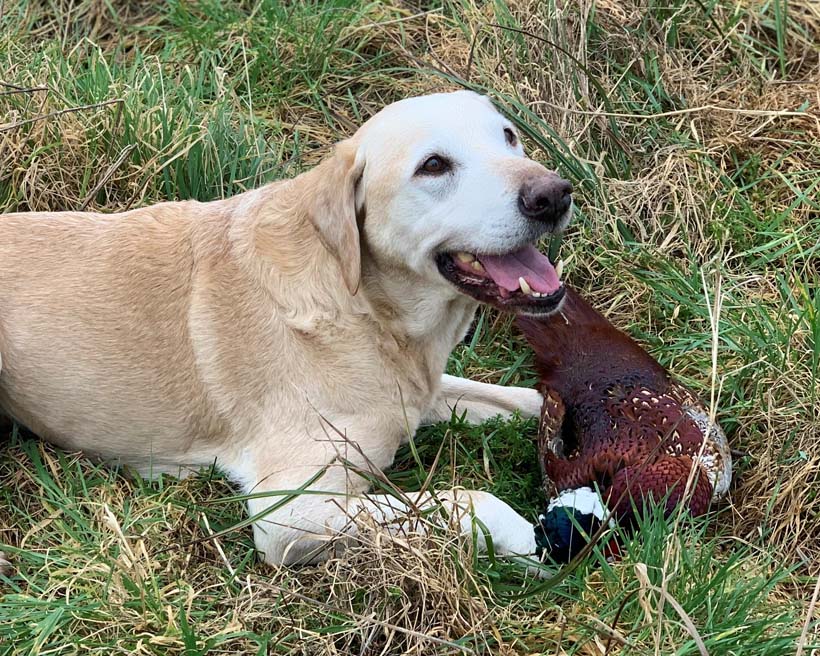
(6, 568)
(5, 565)
(5, 422)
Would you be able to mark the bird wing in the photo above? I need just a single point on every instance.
(550, 443)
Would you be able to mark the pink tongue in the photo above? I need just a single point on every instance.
(528, 263)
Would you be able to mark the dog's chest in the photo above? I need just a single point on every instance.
(369, 370)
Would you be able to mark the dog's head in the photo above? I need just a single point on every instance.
(441, 187)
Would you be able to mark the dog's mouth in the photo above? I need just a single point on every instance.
(524, 281)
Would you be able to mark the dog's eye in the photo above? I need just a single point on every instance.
(435, 165)
(509, 135)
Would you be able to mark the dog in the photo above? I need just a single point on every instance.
(292, 332)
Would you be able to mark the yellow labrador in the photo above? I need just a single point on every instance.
(287, 329)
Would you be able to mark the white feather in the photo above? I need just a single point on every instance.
(585, 500)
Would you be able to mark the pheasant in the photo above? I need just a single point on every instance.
(615, 429)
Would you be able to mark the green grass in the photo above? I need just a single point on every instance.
(690, 133)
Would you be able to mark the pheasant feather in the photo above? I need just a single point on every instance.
(615, 422)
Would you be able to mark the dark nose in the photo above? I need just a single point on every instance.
(545, 198)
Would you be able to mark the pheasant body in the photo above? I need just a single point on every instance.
(614, 420)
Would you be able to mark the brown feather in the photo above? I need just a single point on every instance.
(612, 416)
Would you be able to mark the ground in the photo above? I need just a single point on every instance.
(691, 131)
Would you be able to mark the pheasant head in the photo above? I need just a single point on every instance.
(570, 520)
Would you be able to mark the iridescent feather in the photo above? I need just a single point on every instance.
(615, 421)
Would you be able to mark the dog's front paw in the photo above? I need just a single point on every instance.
(510, 533)
(518, 540)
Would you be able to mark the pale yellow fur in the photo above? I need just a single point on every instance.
(250, 332)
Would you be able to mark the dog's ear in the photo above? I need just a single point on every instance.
(332, 209)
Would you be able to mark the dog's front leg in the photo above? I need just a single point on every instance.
(475, 512)
(298, 532)
(481, 401)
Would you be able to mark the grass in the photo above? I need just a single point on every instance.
(692, 134)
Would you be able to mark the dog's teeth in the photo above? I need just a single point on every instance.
(477, 266)
(465, 257)
(537, 295)
(559, 268)
(525, 287)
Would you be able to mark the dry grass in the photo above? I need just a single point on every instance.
(692, 132)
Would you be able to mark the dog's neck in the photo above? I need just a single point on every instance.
(291, 263)
(405, 305)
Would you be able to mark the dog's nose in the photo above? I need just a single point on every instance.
(545, 198)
